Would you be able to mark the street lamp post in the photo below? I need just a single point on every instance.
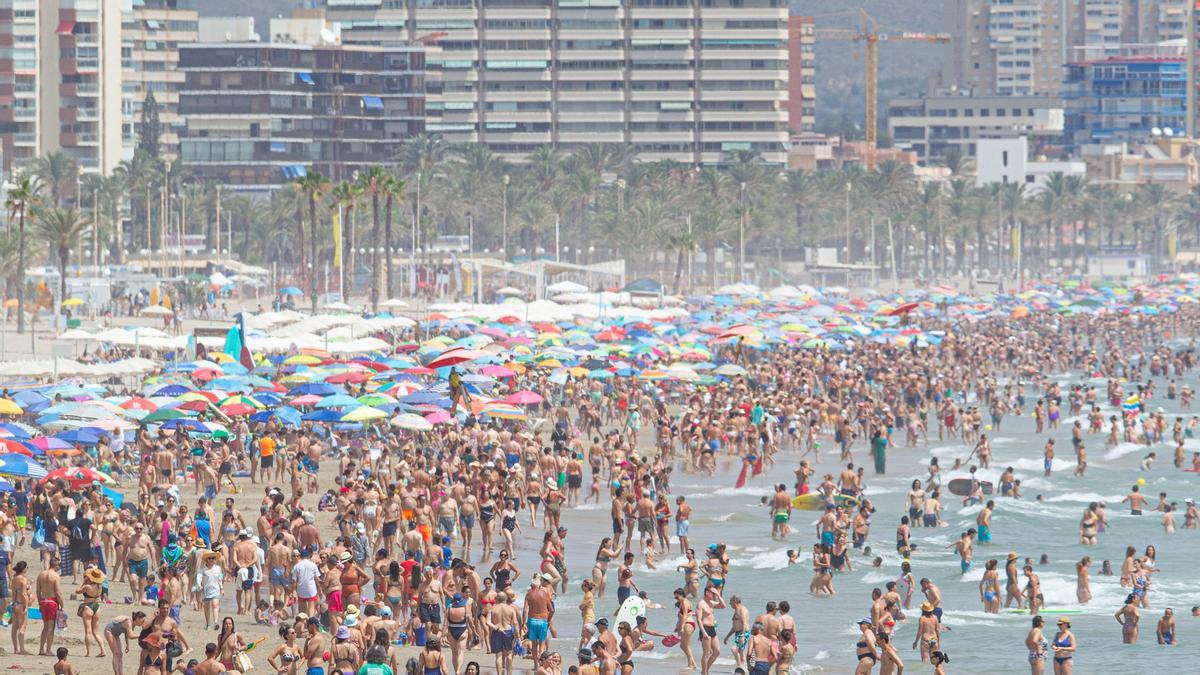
(742, 234)
(504, 214)
(849, 188)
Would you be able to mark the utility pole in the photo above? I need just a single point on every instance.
(218, 221)
(892, 247)
(874, 257)
(742, 235)
(504, 228)
(849, 188)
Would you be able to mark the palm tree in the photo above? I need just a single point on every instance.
(59, 227)
(312, 185)
(393, 191)
(58, 173)
(22, 195)
(373, 182)
(139, 178)
(1156, 198)
(345, 196)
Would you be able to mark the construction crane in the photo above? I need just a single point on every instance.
(871, 34)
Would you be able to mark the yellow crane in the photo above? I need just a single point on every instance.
(870, 33)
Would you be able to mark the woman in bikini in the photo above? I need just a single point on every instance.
(865, 648)
(285, 657)
(229, 643)
(1064, 648)
(605, 554)
(458, 625)
(121, 627)
(89, 610)
(1129, 616)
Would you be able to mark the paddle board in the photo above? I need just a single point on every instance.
(962, 487)
(814, 501)
(1046, 611)
(631, 609)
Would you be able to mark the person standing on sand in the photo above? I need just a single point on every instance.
(22, 595)
(50, 602)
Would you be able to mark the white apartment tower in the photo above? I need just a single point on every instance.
(687, 80)
(60, 81)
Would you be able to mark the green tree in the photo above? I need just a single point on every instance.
(59, 227)
(23, 195)
(313, 186)
(58, 174)
(374, 181)
(150, 130)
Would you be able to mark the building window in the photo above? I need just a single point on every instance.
(1004, 158)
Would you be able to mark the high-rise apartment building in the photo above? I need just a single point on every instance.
(258, 115)
(688, 80)
(802, 75)
(1125, 98)
(60, 81)
(1021, 46)
(152, 34)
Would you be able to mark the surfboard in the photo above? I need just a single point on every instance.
(631, 609)
(1046, 611)
(962, 487)
(814, 501)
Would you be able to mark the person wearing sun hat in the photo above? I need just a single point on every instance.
(90, 590)
(344, 653)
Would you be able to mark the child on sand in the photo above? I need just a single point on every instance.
(62, 666)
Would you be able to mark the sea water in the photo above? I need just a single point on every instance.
(977, 642)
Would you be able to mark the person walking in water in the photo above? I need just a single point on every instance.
(879, 444)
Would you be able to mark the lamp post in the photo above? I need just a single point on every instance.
(742, 233)
(849, 189)
(504, 215)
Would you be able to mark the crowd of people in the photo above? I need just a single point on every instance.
(355, 545)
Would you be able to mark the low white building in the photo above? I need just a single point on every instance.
(1006, 160)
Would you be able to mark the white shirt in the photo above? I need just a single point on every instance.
(210, 581)
(305, 574)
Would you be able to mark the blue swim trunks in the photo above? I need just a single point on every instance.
(827, 538)
(538, 629)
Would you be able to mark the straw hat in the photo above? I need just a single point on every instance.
(1062, 620)
(94, 575)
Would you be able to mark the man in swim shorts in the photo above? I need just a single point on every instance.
(49, 595)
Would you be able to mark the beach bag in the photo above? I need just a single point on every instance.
(39, 534)
(243, 662)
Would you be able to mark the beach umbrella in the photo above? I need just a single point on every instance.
(12, 464)
(439, 417)
(79, 436)
(291, 290)
(139, 403)
(322, 416)
(363, 413)
(9, 407)
(175, 389)
(8, 445)
(315, 388)
(524, 398)
(79, 476)
(338, 401)
(454, 357)
(730, 370)
(412, 422)
(302, 360)
(504, 411)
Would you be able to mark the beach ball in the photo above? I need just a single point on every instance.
(987, 427)
(1141, 481)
